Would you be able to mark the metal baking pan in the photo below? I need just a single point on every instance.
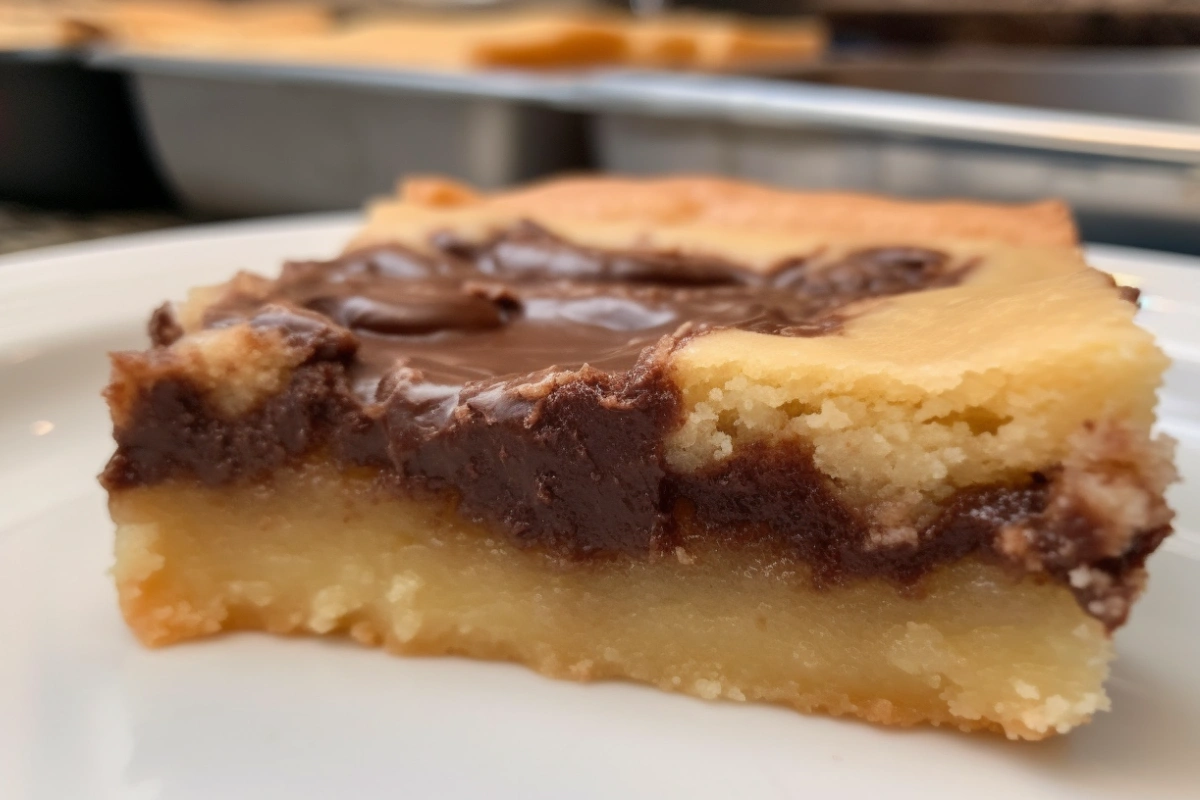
(68, 136)
(1155, 83)
(1130, 181)
(246, 139)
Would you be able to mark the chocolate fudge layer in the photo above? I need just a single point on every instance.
(605, 373)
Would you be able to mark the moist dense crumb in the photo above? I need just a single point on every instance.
(324, 553)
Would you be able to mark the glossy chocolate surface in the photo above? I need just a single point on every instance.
(525, 301)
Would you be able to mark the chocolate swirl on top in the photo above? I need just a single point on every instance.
(525, 301)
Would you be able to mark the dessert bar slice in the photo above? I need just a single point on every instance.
(842, 453)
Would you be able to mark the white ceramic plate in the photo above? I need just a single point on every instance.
(87, 713)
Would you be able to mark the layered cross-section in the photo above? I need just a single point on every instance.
(841, 453)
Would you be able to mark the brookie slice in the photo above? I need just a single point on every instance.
(841, 453)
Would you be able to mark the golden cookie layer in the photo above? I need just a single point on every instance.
(317, 552)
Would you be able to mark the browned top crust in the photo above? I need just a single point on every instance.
(737, 206)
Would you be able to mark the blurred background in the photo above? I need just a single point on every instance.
(121, 115)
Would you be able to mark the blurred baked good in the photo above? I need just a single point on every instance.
(534, 39)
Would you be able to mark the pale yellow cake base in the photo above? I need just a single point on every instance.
(320, 552)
